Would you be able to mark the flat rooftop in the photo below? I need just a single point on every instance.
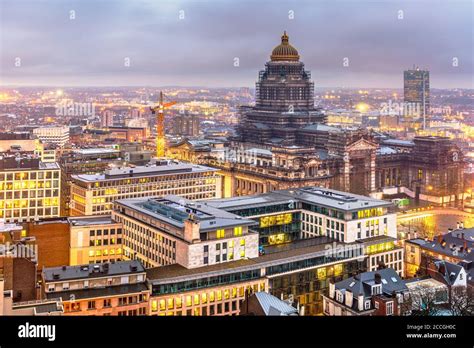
(294, 252)
(91, 220)
(56, 274)
(143, 171)
(328, 198)
(175, 210)
(96, 150)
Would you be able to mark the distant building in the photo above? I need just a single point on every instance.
(93, 194)
(416, 88)
(53, 135)
(107, 118)
(186, 125)
(108, 289)
(380, 292)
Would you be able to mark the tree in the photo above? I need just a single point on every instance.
(423, 301)
(462, 300)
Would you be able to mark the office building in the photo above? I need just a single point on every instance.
(93, 194)
(94, 239)
(416, 94)
(174, 230)
(29, 189)
(52, 135)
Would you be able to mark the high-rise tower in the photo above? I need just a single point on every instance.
(416, 92)
(284, 100)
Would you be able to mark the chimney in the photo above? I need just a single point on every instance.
(457, 225)
(462, 225)
(360, 302)
(191, 230)
(302, 311)
(378, 278)
(440, 238)
(332, 288)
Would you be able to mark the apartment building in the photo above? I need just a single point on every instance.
(107, 289)
(370, 293)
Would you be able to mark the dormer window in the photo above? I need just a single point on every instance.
(376, 289)
(339, 296)
(367, 305)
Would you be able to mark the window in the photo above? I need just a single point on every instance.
(242, 242)
(220, 233)
(367, 305)
(389, 308)
(91, 305)
(238, 231)
(218, 258)
(107, 302)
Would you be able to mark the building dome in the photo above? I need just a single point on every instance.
(284, 51)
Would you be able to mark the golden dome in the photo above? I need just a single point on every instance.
(284, 51)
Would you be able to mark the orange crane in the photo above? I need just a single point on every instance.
(160, 125)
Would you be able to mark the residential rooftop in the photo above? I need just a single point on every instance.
(55, 274)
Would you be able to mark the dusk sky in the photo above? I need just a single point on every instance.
(200, 49)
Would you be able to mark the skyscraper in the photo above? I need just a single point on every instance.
(416, 90)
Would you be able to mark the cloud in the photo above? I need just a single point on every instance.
(200, 49)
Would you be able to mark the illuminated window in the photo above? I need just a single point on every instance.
(234, 292)
(321, 273)
(204, 298)
(238, 231)
(226, 294)
(162, 305)
(196, 299)
(154, 306)
(219, 295)
(178, 302)
(188, 301)
(23, 233)
(231, 256)
(98, 253)
(242, 253)
(231, 244)
(220, 233)
(170, 303)
(211, 296)
(241, 291)
(91, 253)
(242, 242)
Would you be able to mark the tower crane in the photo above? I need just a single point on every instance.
(160, 125)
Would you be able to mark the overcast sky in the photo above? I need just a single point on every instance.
(200, 49)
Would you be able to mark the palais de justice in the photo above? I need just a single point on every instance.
(284, 142)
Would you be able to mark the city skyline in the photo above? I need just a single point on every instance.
(121, 45)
